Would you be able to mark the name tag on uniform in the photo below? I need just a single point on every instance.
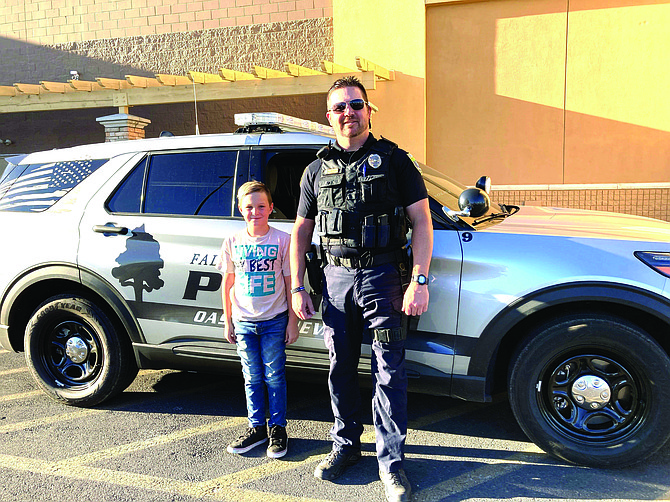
(330, 170)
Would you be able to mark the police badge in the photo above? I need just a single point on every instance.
(374, 161)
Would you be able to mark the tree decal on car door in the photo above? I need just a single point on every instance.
(140, 264)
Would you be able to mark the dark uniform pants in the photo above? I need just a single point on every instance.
(355, 300)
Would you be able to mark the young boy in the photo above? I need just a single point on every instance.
(256, 287)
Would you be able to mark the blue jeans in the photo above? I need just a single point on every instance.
(261, 347)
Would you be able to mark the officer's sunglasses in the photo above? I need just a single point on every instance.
(356, 104)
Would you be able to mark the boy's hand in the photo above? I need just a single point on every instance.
(229, 331)
(291, 333)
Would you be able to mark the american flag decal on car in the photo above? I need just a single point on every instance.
(40, 186)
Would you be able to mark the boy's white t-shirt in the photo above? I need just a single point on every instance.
(260, 265)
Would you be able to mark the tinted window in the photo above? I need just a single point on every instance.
(282, 170)
(128, 197)
(37, 187)
(193, 183)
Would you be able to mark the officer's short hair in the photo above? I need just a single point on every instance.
(350, 81)
(251, 187)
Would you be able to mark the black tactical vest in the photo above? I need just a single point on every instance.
(358, 203)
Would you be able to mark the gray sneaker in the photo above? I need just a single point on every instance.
(396, 486)
(251, 438)
(335, 463)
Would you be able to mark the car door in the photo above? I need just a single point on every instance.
(154, 233)
(281, 168)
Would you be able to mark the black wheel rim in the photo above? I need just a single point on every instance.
(611, 418)
(71, 353)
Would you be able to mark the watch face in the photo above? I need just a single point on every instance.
(421, 279)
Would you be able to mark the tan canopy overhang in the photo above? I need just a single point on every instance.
(227, 84)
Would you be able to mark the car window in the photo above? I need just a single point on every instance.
(128, 197)
(37, 187)
(182, 183)
(281, 172)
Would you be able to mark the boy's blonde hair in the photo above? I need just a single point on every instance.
(252, 187)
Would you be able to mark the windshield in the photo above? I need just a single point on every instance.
(446, 191)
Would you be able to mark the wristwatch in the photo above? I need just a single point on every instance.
(420, 278)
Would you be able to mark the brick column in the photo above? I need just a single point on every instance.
(122, 126)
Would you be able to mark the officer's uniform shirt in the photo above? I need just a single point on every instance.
(409, 182)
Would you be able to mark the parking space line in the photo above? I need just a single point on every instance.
(273, 468)
(14, 371)
(22, 395)
(124, 449)
(72, 415)
(466, 481)
(229, 486)
(265, 470)
(157, 440)
(52, 419)
(143, 481)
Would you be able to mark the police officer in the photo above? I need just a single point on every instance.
(358, 195)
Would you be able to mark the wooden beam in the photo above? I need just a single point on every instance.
(8, 90)
(204, 78)
(379, 71)
(113, 83)
(28, 88)
(330, 68)
(143, 82)
(173, 79)
(106, 98)
(300, 71)
(59, 87)
(85, 85)
(234, 75)
(265, 73)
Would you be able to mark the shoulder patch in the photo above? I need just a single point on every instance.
(416, 164)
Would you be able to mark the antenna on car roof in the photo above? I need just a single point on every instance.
(195, 104)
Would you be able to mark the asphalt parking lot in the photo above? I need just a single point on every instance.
(164, 440)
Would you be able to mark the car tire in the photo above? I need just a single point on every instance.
(592, 390)
(75, 354)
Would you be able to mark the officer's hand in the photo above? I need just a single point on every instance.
(415, 301)
(302, 305)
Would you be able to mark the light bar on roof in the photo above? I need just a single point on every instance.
(285, 122)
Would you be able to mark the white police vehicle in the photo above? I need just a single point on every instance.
(109, 257)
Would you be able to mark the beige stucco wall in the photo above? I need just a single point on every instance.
(390, 34)
(529, 92)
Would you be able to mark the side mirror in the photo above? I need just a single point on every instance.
(473, 202)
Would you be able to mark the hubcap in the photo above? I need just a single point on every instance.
(76, 349)
(591, 392)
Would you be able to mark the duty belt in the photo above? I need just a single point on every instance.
(367, 259)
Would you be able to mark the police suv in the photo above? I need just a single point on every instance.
(109, 256)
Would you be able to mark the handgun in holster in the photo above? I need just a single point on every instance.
(314, 265)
